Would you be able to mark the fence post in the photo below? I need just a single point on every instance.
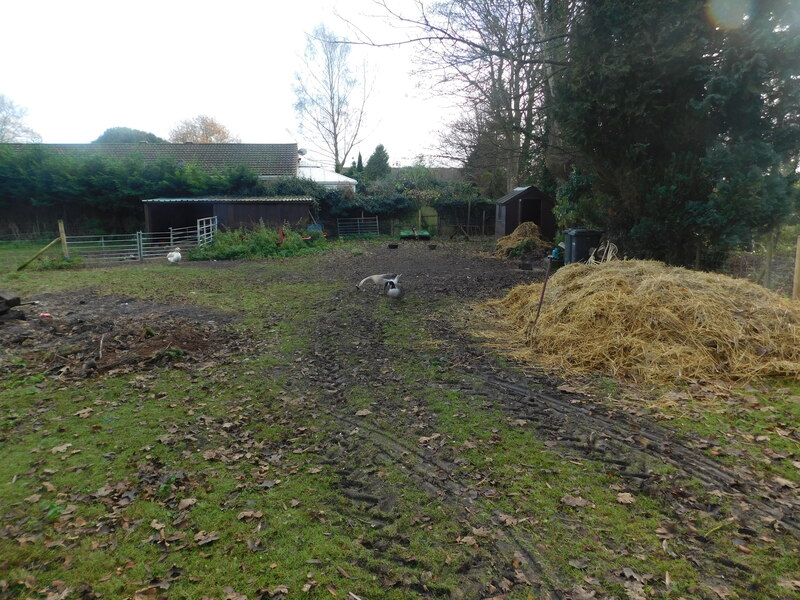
(63, 236)
(171, 241)
(139, 246)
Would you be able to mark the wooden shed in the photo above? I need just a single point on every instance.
(161, 214)
(522, 205)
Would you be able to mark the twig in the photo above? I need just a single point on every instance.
(717, 528)
(100, 351)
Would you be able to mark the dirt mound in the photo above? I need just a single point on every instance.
(525, 239)
(84, 335)
(645, 321)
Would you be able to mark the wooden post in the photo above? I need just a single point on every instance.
(796, 284)
(63, 237)
(38, 254)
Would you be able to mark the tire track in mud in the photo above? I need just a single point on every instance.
(431, 474)
(596, 426)
(350, 331)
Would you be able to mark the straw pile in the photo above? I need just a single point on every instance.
(648, 322)
(525, 239)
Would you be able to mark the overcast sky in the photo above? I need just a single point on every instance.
(80, 67)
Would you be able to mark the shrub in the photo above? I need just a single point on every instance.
(262, 242)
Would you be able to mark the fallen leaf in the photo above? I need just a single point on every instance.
(186, 503)
(60, 449)
(625, 498)
(581, 593)
(206, 537)
(634, 590)
(467, 539)
(574, 501)
(628, 573)
(249, 514)
(342, 572)
(84, 413)
(157, 525)
(723, 591)
(148, 593)
(790, 584)
(363, 412)
(507, 519)
(294, 502)
(33, 498)
(784, 482)
(230, 594)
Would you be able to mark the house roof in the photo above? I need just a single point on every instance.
(231, 200)
(519, 192)
(266, 160)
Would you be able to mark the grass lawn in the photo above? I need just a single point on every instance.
(243, 480)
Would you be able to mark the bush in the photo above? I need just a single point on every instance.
(243, 244)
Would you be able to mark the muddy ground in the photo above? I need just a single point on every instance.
(83, 336)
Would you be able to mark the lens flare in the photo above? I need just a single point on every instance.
(728, 14)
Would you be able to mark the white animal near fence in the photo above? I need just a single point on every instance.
(140, 246)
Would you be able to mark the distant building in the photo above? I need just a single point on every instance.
(525, 204)
(161, 214)
(326, 178)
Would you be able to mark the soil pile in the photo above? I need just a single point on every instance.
(86, 335)
(645, 321)
(525, 239)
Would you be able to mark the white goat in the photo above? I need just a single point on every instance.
(378, 280)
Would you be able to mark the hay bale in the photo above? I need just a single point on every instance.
(646, 321)
(525, 239)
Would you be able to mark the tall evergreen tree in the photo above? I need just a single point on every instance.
(683, 127)
(377, 164)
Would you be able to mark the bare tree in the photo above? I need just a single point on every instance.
(12, 123)
(501, 58)
(330, 97)
(202, 130)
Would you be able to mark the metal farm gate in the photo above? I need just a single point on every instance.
(140, 246)
(358, 226)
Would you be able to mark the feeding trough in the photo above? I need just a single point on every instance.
(415, 234)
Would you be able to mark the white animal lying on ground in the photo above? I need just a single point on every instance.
(378, 280)
(174, 256)
(392, 290)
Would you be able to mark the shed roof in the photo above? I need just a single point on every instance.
(519, 192)
(263, 159)
(231, 200)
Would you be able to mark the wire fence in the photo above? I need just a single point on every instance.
(106, 249)
(140, 246)
(358, 226)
